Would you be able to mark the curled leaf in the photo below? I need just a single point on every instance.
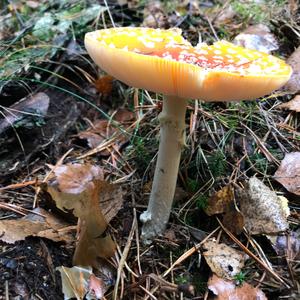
(80, 194)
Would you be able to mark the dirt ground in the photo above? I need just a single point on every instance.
(226, 145)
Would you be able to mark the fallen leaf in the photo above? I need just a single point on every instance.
(40, 223)
(222, 202)
(104, 84)
(225, 16)
(233, 220)
(111, 200)
(287, 245)
(42, 25)
(154, 15)
(96, 288)
(223, 260)
(76, 178)
(257, 37)
(293, 85)
(219, 202)
(83, 200)
(227, 290)
(263, 210)
(294, 104)
(97, 134)
(288, 173)
(27, 112)
(81, 283)
(293, 6)
(103, 130)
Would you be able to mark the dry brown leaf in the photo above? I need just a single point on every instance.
(223, 260)
(227, 290)
(223, 202)
(97, 288)
(124, 116)
(294, 104)
(220, 201)
(104, 84)
(225, 16)
(288, 173)
(154, 15)
(102, 130)
(76, 178)
(84, 202)
(263, 210)
(42, 225)
(257, 37)
(111, 200)
(293, 85)
(233, 220)
(81, 283)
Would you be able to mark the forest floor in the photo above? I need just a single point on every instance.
(74, 120)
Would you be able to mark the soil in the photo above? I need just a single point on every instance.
(27, 269)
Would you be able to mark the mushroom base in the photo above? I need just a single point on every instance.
(172, 140)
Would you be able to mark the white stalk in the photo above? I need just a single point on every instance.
(172, 140)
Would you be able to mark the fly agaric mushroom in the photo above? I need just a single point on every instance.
(163, 61)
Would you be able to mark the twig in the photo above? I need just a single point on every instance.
(19, 185)
(188, 253)
(38, 190)
(261, 263)
(123, 259)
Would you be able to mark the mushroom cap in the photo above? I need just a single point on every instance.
(163, 61)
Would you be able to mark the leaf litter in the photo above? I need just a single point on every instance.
(293, 104)
(223, 260)
(288, 173)
(81, 283)
(102, 130)
(227, 290)
(263, 210)
(63, 24)
(77, 187)
(222, 202)
(293, 85)
(257, 37)
(39, 223)
(287, 245)
(28, 112)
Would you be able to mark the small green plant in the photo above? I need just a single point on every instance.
(202, 201)
(141, 152)
(217, 163)
(250, 10)
(192, 185)
(240, 278)
(181, 279)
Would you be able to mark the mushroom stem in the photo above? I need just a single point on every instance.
(172, 140)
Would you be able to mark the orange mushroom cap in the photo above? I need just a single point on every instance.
(163, 61)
